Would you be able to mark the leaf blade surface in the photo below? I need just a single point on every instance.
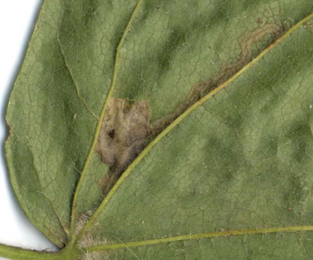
(249, 136)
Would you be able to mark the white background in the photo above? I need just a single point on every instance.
(17, 18)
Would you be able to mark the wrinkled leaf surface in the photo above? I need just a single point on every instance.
(227, 170)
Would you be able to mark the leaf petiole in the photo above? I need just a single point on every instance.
(16, 253)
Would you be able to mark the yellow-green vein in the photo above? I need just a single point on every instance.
(108, 96)
(75, 84)
(201, 236)
(182, 116)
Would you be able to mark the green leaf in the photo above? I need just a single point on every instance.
(166, 130)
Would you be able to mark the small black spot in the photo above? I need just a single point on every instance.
(112, 134)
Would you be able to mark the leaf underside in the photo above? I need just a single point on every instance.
(157, 129)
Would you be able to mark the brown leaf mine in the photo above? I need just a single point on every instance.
(201, 89)
(124, 131)
(126, 127)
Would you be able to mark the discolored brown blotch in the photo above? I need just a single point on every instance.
(123, 135)
(126, 127)
(260, 21)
